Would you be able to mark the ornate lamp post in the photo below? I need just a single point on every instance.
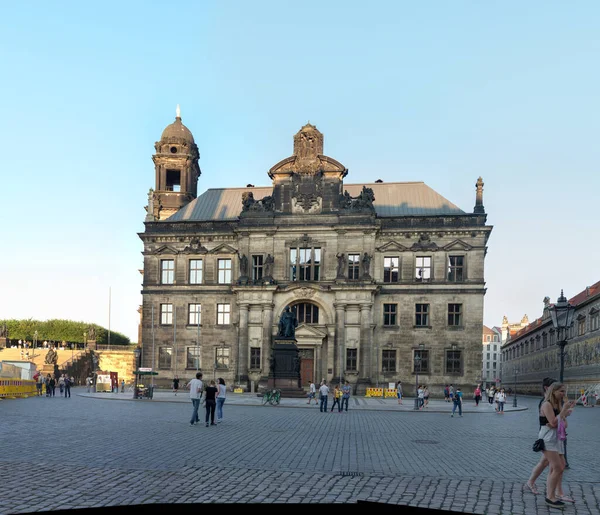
(35, 339)
(137, 353)
(417, 360)
(562, 317)
(515, 396)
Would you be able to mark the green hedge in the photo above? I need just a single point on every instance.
(59, 330)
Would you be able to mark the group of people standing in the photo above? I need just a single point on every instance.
(341, 396)
(214, 398)
(64, 383)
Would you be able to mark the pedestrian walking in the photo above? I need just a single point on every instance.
(88, 383)
(337, 397)
(500, 400)
(420, 396)
(39, 383)
(122, 385)
(477, 394)
(399, 391)
(457, 402)
(323, 394)
(195, 387)
(52, 383)
(175, 385)
(67, 386)
(346, 390)
(210, 402)
(451, 393)
(425, 396)
(491, 394)
(446, 393)
(221, 395)
(312, 392)
(61, 384)
(543, 463)
(553, 421)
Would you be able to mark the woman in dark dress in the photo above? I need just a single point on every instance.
(211, 402)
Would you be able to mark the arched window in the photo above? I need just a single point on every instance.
(306, 312)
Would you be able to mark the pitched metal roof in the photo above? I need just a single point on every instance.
(391, 199)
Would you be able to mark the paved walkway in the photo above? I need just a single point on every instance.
(97, 450)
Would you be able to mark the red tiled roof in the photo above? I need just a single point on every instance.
(585, 294)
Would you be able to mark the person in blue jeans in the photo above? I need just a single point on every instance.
(457, 402)
(323, 393)
(346, 389)
(195, 386)
(220, 398)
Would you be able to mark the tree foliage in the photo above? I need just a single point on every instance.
(60, 330)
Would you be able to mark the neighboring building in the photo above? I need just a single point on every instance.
(491, 341)
(377, 274)
(533, 353)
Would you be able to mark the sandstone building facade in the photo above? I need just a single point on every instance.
(377, 274)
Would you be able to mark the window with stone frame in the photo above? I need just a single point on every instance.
(305, 263)
(196, 271)
(223, 314)
(351, 360)
(390, 315)
(580, 325)
(456, 267)
(306, 312)
(164, 357)
(421, 365)
(594, 319)
(192, 357)
(255, 363)
(455, 315)
(388, 360)
(544, 340)
(454, 362)
(166, 314)
(222, 357)
(353, 267)
(391, 269)
(167, 271)
(224, 271)
(194, 314)
(257, 267)
(423, 268)
(422, 315)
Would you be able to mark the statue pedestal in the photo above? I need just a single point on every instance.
(91, 344)
(3, 342)
(285, 368)
(49, 368)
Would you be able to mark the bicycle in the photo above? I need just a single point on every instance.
(272, 397)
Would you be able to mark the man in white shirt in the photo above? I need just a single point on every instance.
(312, 393)
(195, 386)
(323, 393)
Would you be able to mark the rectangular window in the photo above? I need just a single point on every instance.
(494, 365)
(194, 314)
(544, 340)
(495, 348)
(166, 314)
(594, 321)
(351, 359)
(581, 326)
(423, 268)
(224, 268)
(422, 315)
(173, 182)
(388, 361)
(455, 315)
(421, 361)
(167, 271)
(223, 314)
(222, 357)
(456, 269)
(391, 268)
(305, 264)
(195, 271)
(257, 268)
(353, 266)
(453, 362)
(488, 356)
(164, 357)
(488, 338)
(390, 312)
(255, 357)
(192, 359)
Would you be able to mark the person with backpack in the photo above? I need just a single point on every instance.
(457, 402)
(67, 385)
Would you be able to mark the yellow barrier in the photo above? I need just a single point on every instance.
(238, 390)
(11, 388)
(391, 392)
(381, 392)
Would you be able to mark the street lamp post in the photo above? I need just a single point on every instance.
(35, 339)
(515, 396)
(417, 361)
(137, 353)
(562, 317)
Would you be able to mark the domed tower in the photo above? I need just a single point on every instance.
(177, 170)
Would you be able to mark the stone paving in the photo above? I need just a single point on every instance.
(97, 450)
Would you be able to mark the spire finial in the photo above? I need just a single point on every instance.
(177, 112)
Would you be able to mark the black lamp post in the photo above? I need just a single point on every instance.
(562, 317)
(515, 396)
(137, 354)
(417, 360)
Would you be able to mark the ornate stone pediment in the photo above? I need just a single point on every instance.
(305, 331)
(165, 249)
(303, 292)
(223, 249)
(424, 244)
(457, 245)
(195, 247)
(391, 246)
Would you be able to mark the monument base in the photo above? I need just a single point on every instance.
(285, 368)
(3, 342)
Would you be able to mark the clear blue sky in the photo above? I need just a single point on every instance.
(439, 92)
